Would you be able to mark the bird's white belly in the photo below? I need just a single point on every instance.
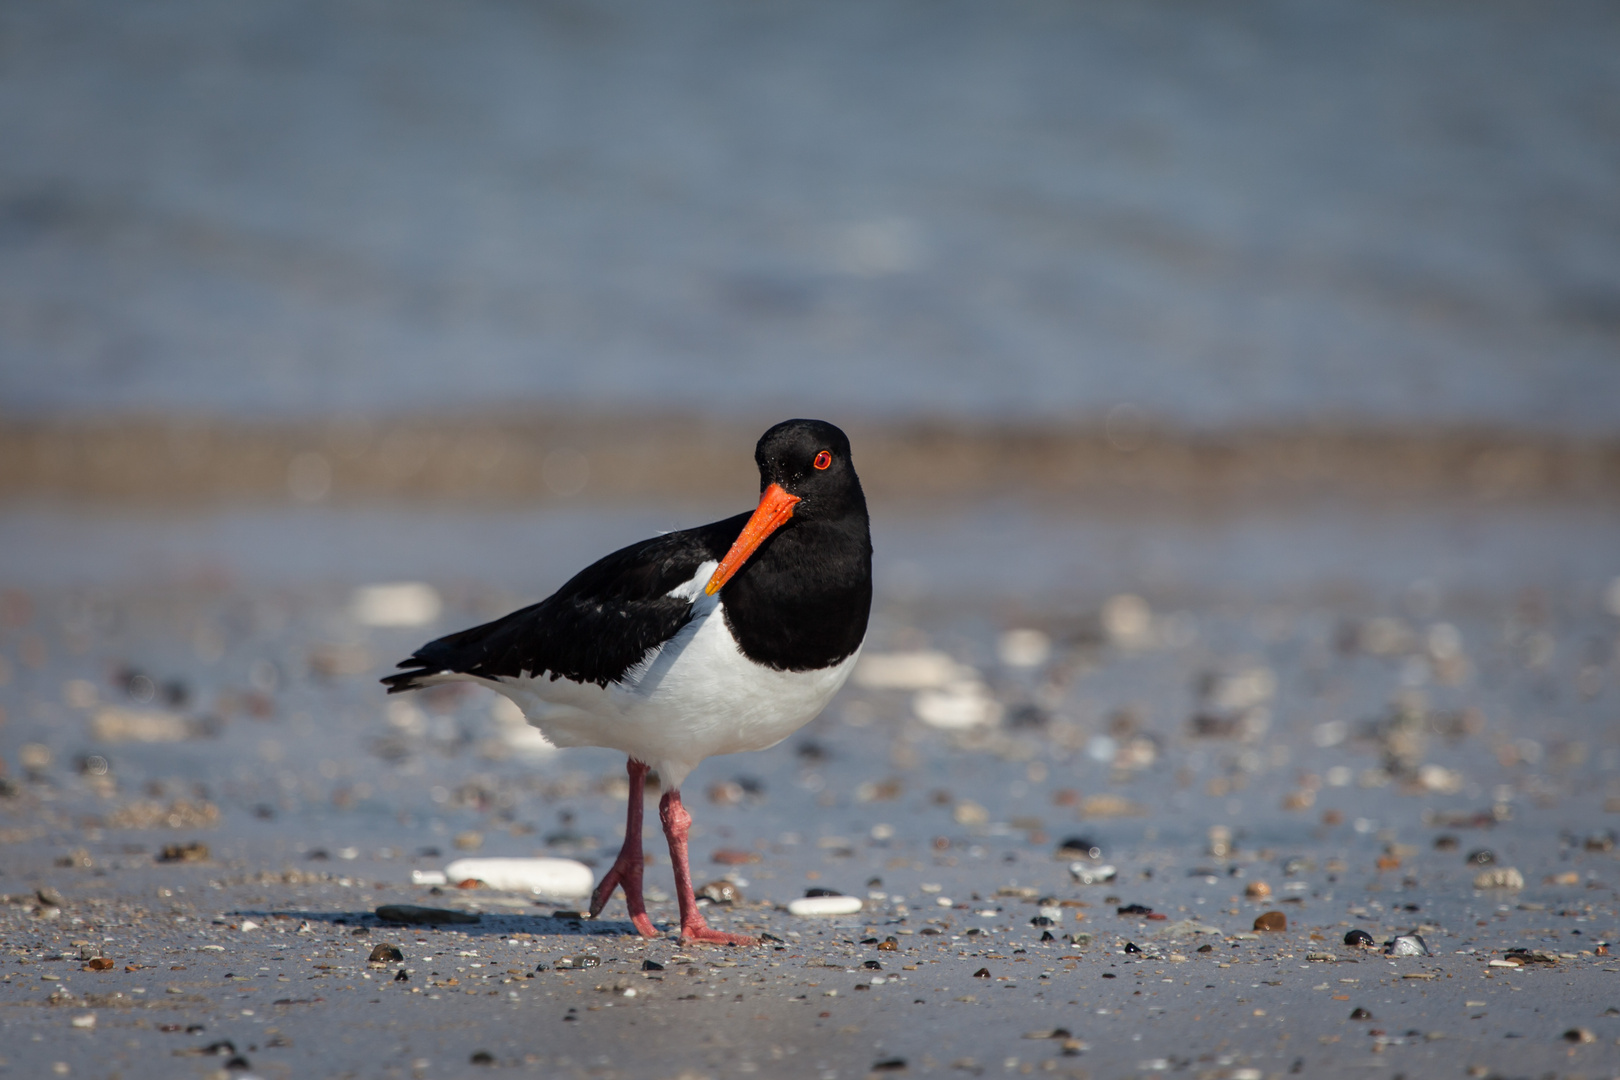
(695, 697)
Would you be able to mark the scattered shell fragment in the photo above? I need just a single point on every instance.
(825, 905)
(1407, 945)
(720, 892)
(1503, 877)
(1087, 874)
(542, 876)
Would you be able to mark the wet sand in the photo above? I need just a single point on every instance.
(1340, 704)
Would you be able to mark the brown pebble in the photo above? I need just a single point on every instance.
(1257, 890)
(1579, 1035)
(735, 857)
(100, 963)
(385, 952)
(1271, 920)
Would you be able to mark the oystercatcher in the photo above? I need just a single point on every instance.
(717, 639)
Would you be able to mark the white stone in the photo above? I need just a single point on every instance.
(1024, 648)
(921, 669)
(546, 877)
(403, 603)
(428, 877)
(825, 905)
(956, 707)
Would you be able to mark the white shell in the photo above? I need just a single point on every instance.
(548, 877)
(825, 905)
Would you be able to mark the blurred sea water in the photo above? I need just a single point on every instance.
(1222, 214)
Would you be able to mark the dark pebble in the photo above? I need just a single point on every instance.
(1359, 938)
(482, 1057)
(1046, 935)
(889, 1065)
(1446, 843)
(1041, 920)
(238, 1062)
(821, 892)
(1481, 857)
(410, 913)
(1131, 947)
(1135, 909)
(195, 851)
(1360, 1014)
(872, 965)
(982, 973)
(360, 931)
(1109, 975)
(1079, 847)
(651, 965)
(400, 976)
(1206, 948)
(385, 953)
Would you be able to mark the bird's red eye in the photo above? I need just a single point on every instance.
(823, 459)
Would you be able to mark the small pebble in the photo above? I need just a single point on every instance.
(1481, 857)
(1360, 939)
(651, 965)
(1407, 945)
(1360, 1014)
(1574, 1035)
(1271, 920)
(1079, 847)
(385, 953)
(825, 905)
(1257, 890)
(1503, 877)
(88, 1020)
(720, 892)
(1086, 874)
(1132, 947)
(195, 851)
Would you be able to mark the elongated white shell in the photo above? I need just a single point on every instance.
(825, 905)
(547, 877)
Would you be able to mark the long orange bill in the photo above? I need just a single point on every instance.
(775, 507)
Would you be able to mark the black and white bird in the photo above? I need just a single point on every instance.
(713, 640)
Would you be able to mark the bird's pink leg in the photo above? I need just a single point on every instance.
(677, 823)
(626, 869)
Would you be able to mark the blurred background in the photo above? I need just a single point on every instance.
(293, 290)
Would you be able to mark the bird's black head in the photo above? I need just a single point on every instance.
(810, 459)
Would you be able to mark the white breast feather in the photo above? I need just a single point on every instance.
(695, 696)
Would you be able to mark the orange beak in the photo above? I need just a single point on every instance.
(775, 507)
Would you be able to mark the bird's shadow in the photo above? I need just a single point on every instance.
(490, 924)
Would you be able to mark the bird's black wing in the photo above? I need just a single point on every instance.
(592, 630)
